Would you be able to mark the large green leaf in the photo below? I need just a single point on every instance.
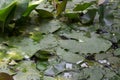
(5, 11)
(82, 7)
(48, 42)
(31, 7)
(27, 71)
(84, 44)
(45, 10)
(27, 46)
(20, 8)
(50, 27)
(69, 56)
(117, 52)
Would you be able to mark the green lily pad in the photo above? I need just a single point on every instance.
(84, 44)
(27, 71)
(117, 52)
(69, 56)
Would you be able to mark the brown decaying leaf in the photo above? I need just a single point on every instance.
(5, 76)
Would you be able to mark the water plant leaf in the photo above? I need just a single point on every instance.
(27, 71)
(83, 43)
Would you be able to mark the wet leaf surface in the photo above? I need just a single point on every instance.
(59, 40)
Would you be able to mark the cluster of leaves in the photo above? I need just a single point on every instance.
(59, 40)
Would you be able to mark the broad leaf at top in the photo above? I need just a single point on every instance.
(45, 10)
(5, 8)
(20, 8)
(32, 5)
(5, 76)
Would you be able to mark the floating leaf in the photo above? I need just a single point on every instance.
(48, 42)
(42, 65)
(69, 56)
(117, 52)
(14, 54)
(51, 26)
(44, 55)
(50, 71)
(49, 78)
(94, 73)
(83, 43)
(103, 56)
(26, 46)
(27, 71)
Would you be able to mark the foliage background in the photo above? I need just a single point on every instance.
(59, 40)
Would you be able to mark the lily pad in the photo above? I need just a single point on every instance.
(27, 71)
(69, 56)
(51, 26)
(117, 52)
(83, 44)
